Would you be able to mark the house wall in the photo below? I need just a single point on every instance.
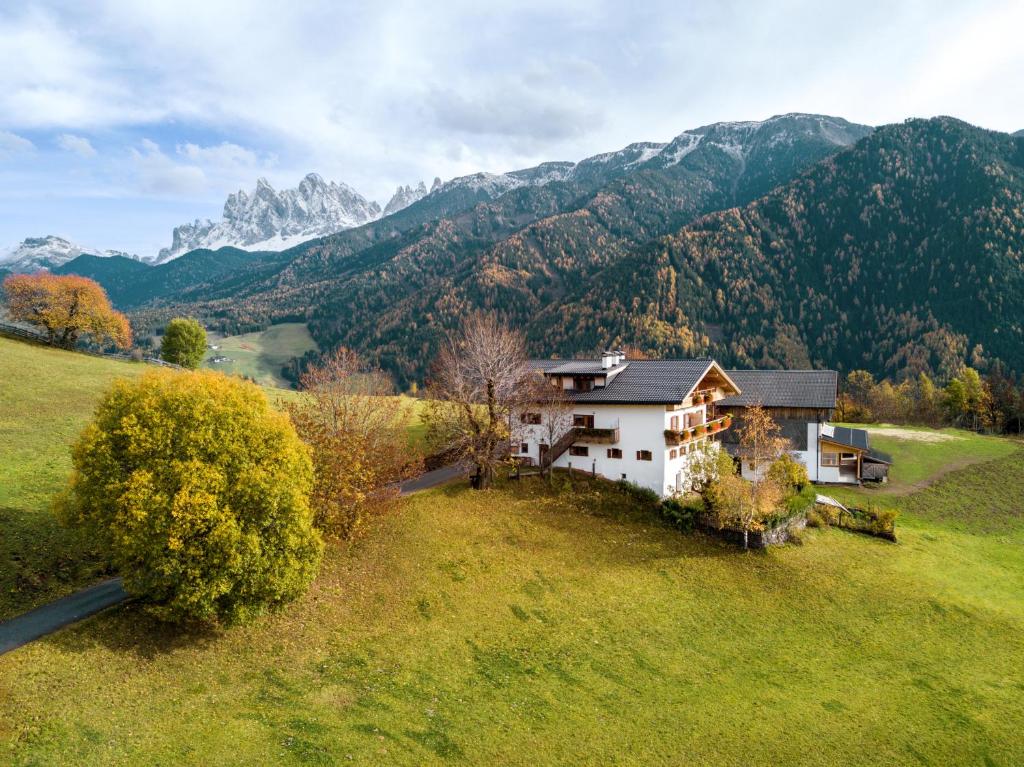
(811, 459)
(641, 427)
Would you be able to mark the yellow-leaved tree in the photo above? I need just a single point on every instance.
(197, 492)
(66, 307)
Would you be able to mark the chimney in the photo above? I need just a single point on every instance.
(612, 357)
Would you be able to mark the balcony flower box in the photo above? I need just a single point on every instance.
(715, 425)
(700, 431)
(706, 399)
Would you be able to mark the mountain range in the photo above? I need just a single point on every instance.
(262, 219)
(802, 240)
(48, 252)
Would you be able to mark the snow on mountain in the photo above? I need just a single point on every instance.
(49, 252)
(405, 196)
(266, 219)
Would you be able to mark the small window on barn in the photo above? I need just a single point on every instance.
(579, 450)
(643, 455)
(614, 452)
(524, 447)
(830, 459)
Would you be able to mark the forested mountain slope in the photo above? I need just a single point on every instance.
(901, 254)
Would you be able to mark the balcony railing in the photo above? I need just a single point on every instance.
(597, 436)
(675, 437)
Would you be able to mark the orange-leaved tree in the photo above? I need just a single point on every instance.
(66, 307)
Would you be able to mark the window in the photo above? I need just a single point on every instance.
(830, 459)
(614, 452)
(524, 447)
(579, 450)
(530, 418)
(673, 423)
(584, 421)
(847, 458)
(582, 384)
(643, 455)
(673, 453)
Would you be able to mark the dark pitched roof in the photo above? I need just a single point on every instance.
(878, 456)
(580, 367)
(844, 435)
(642, 381)
(784, 388)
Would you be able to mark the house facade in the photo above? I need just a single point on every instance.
(802, 402)
(641, 421)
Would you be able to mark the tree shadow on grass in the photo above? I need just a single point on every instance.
(128, 629)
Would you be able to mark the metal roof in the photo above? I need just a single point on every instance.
(784, 388)
(844, 435)
(641, 382)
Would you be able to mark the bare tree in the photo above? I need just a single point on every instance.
(479, 379)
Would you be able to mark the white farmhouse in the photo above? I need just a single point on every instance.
(634, 420)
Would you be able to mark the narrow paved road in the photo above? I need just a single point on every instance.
(65, 611)
(433, 478)
(89, 601)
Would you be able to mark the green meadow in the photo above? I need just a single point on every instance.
(535, 624)
(261, 356)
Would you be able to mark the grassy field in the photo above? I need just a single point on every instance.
(46, 398)
(921, 454)
(261, 356)
(528, 626)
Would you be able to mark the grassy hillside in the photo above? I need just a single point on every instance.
(46, 398)
(524, 627)
(261, 356)
(529, 625)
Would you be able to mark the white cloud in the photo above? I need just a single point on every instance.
(12, 144)
(158, 174)
(381, 94)
(77, 144)
(196, 170)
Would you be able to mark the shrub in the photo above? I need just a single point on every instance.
(873, 520)
(184, 342)
(645, 496)
(788, 472)
(682, 512)
(197, 493)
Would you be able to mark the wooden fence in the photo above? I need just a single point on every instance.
(17, 331)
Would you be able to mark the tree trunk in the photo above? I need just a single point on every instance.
(745, 546)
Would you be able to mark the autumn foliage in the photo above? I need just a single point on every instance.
(356, 429)
(197, 493)
(66, 308)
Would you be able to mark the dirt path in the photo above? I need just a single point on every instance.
(960, 463)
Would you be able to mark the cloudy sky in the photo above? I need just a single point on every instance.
(119, 120)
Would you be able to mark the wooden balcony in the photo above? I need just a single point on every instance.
(596, 436)
(674, 437)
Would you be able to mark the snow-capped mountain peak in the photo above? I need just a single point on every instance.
(265, 219)
(405, 196)
(35, 253)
